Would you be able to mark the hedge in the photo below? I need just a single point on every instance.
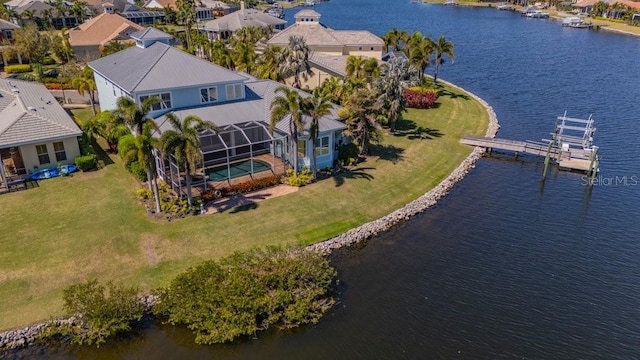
(16, 69)
(86, 162)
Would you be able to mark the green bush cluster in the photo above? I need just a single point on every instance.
(101, 312)
(247, 292)
(86, 148)
(137, 170)
(17, 69)
(348, 154)
(304, 177)
(86, 162)
(170, 204)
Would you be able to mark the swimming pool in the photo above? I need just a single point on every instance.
(237, 169)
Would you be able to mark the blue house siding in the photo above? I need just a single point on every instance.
(108, 93)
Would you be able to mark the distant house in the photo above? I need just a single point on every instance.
(220, 8)
(225, 26)
(142, 16)
(202, 12)
(7, 29)
(35, 131)
(237, 103)
(42, 12)
(88, 38)
(330, 48)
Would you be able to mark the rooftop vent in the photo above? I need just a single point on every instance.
(15, 90)
(31, 108)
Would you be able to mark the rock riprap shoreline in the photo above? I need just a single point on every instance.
(28, 335)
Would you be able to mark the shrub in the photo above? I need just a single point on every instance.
(138, 170)
(420, 99)
(304, 177)
(17, 69)
(85, 146)
(86, 162)
(348, 154)
(101, 311)
(125, 144)
(48, 60)
(246, 292)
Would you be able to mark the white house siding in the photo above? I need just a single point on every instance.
(30, 155)
(322, 161)
(108, 93)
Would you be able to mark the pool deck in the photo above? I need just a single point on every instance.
(241, 202)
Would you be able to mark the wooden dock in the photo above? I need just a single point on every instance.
(571, 146)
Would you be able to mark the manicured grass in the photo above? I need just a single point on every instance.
(90, 225)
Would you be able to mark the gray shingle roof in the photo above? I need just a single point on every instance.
(256, 109)
(30, 114)
(158, 67)
(242, 18)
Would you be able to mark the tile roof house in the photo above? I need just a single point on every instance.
(202, 11)
(35, 131)
(330, 48)
(225, 26)
(237, 103)
(88, 38)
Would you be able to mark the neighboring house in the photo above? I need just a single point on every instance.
(202, 12)
(142, 16)
(225, 26)
(238, 104)
(6, 30)
(88, 38)
(35, 131)
(41, 12)
(330, 48)
(219, 8)
(585, 6)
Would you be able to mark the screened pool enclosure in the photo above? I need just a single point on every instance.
(235, 150)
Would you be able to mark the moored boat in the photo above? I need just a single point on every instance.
(576, 22)
(537, 14)
(504, 7)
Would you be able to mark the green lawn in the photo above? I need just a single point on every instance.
(90, 225)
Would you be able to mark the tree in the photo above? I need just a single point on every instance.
(221, 55)
(268, 65)
(287, 105)
(134, 116)
(442, 47)
(108, 126)
(355, 66)
(361, 111)
(315, 108)
(421, 51)
(170, 15)
(244, 57)
(397, 75)
(371, 69)
(297, 60)
(186, 14)
(183, 142)
(31, 44)
(68, 71)
(79, 10)
(113, 47)
(86, 83)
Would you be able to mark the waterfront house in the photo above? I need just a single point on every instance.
(237, 103)
(330, 48)
(202, 12)
(88, 38)
(225, 26)
(35, 131)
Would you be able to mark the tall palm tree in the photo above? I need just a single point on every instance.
(183, 142)
(287, 105)
(187, 15)
(86, 83)
(142, 150)
(134, 116)
(397, 75)
(442, 47)
(421, 51)
(244, 57)
(221, 55)
(363, 108)
(371, 69)
(315, 107)
(268, 65)
(297, 60)
(355, 66)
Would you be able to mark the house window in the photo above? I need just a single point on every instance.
(165, 101)
(372, 48)
(58, 148)
(43, 154)
(208, 95)
(8, 35)
(302, 148)
(359, 48)
(234, 91)
(323, 146)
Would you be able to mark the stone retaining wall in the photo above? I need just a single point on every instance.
(424, 202)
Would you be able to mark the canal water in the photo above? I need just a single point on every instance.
(503, 267)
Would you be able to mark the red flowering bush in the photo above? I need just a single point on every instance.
(420, 99)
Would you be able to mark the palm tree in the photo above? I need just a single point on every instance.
(442, 47)
(244, 57)
(397, 75)
(355, 66)
(134, 116)
(108, 126)
(187, 15)
(142, 150)
(297, 60)
(287, 105)
(79, 10)
(421, 54)
(268, 66)
(363, 108)
(183, 142)
(315, 107)
(86, 83)
(371, 69)
(221, 55)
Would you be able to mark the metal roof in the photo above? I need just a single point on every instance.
(150, 33)
(30, 114)
(159, 67)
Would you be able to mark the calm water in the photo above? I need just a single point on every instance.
(502, 268)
